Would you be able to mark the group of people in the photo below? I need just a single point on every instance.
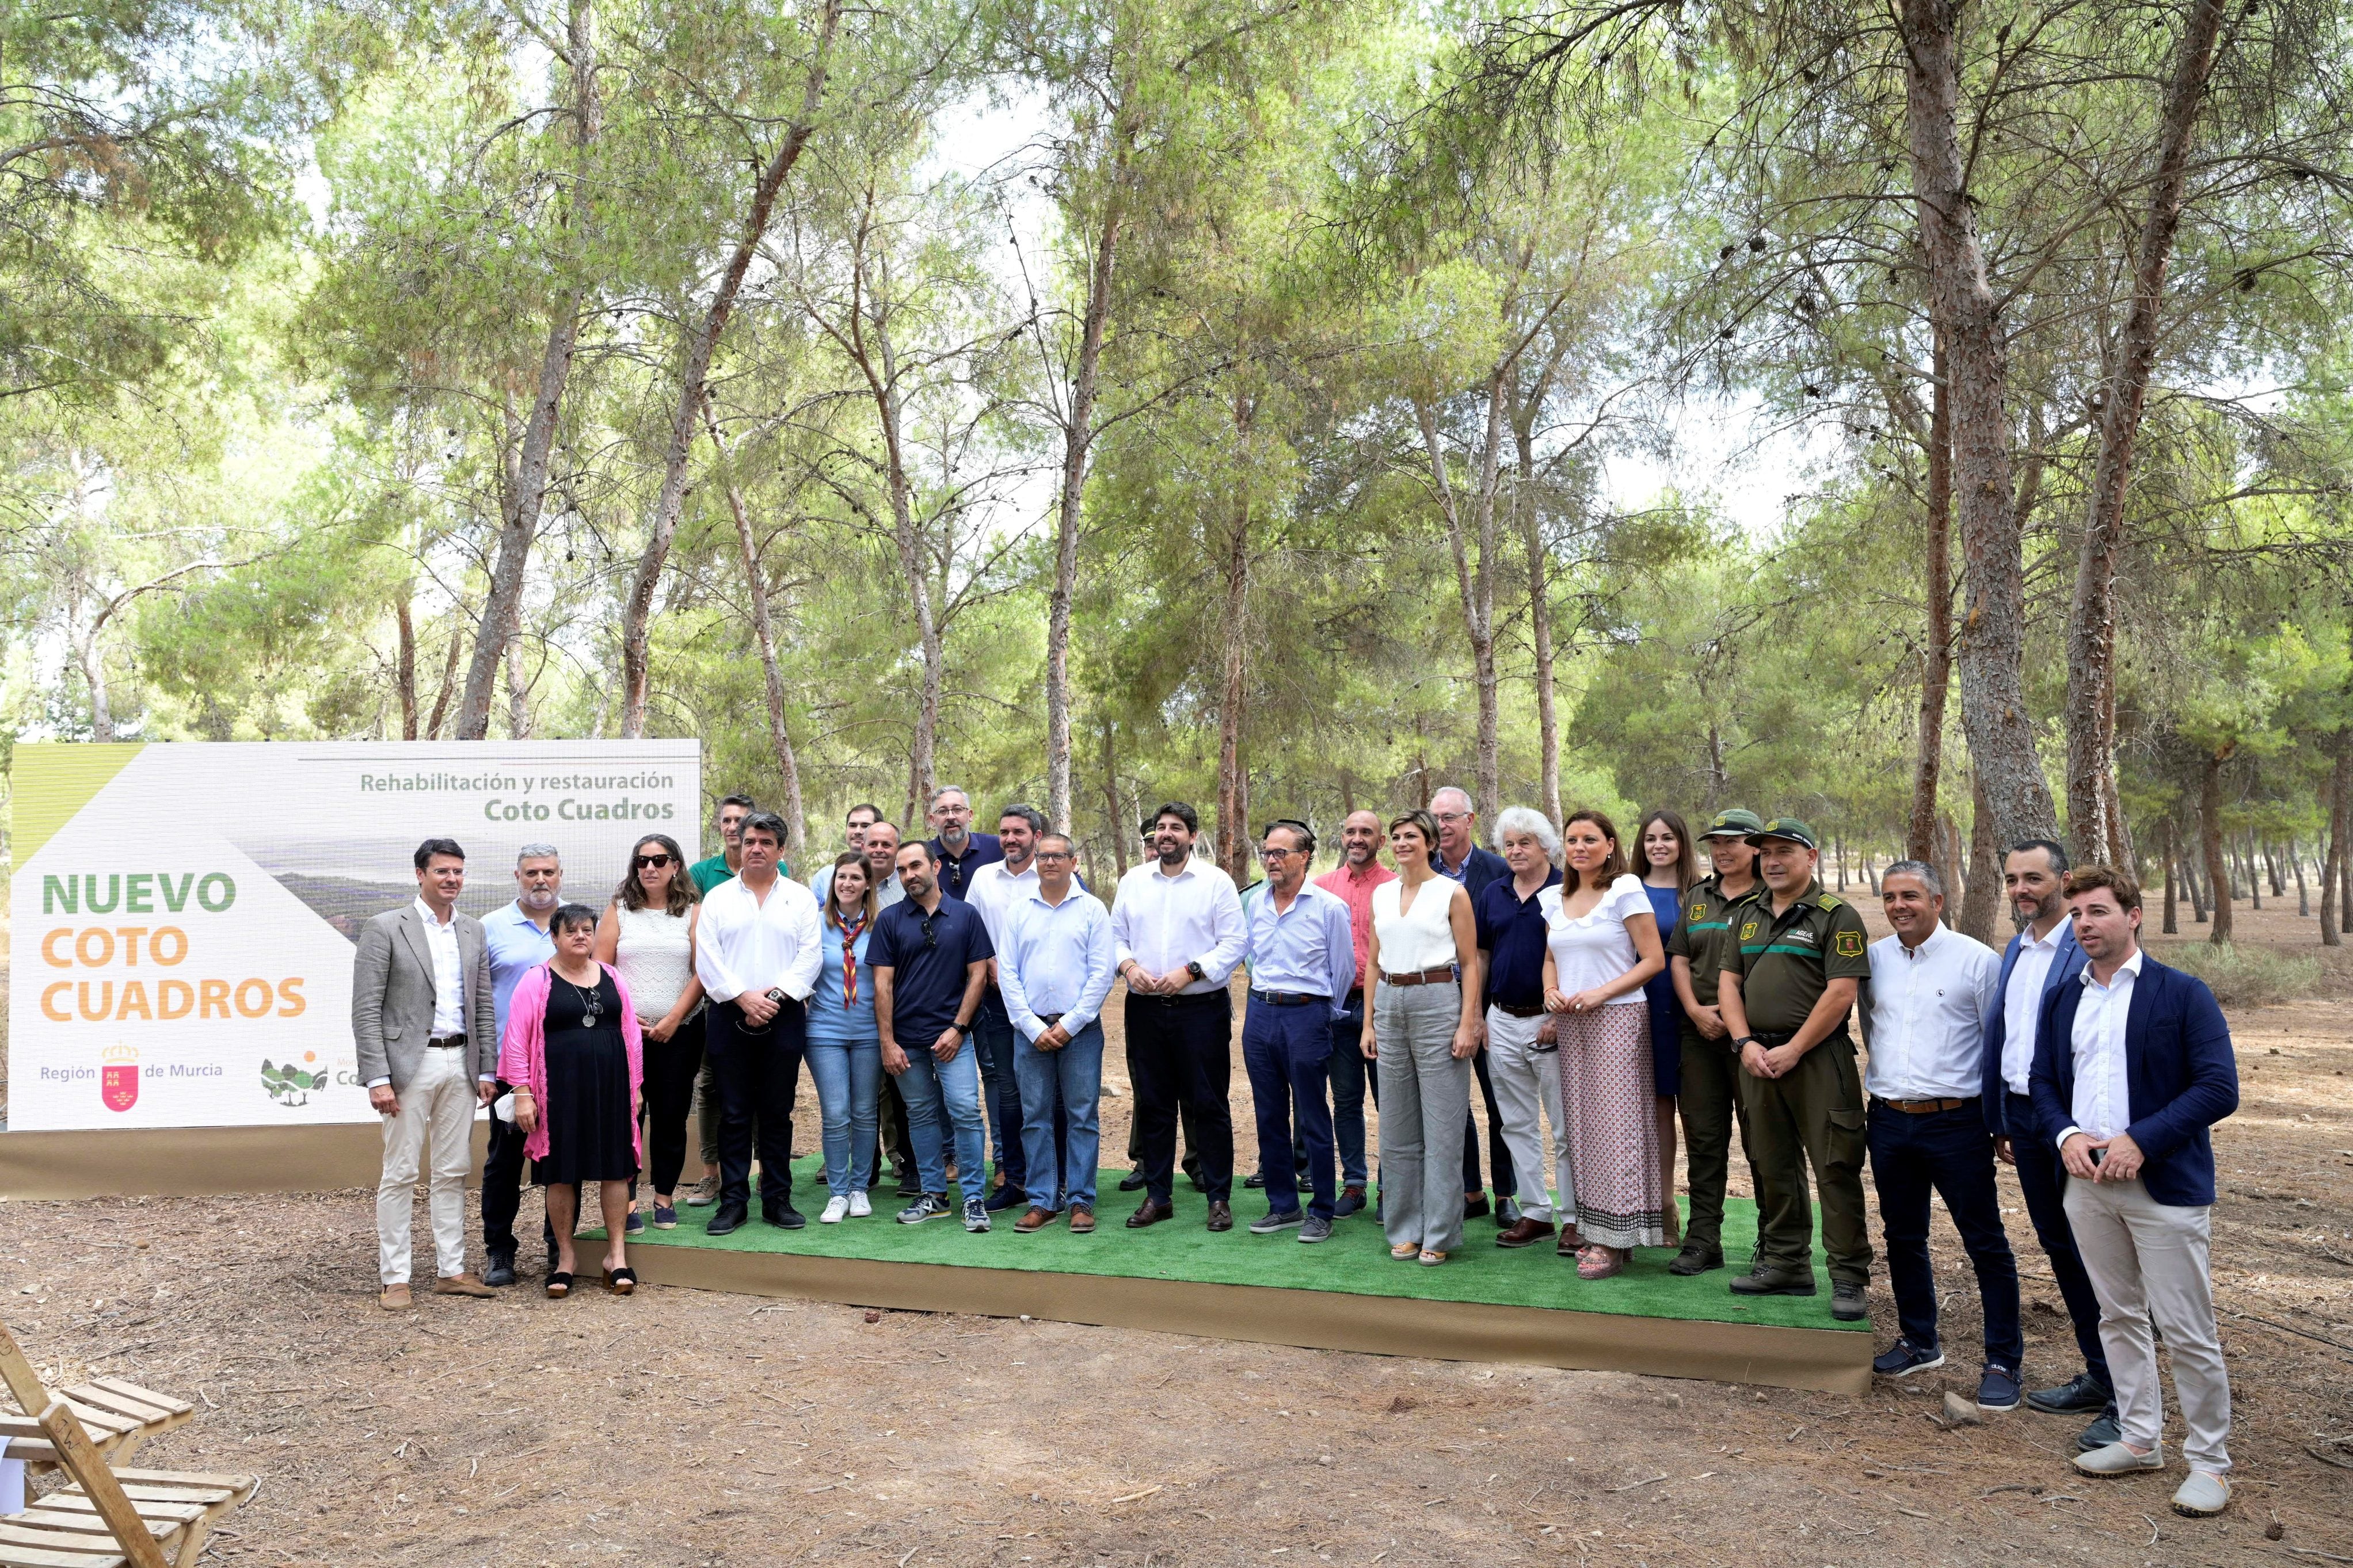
(946, 995)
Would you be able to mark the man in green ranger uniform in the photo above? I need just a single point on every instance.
(1696, 950)
(1788, 981)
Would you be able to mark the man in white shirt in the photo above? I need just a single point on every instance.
(757, 951)
(1055, 968)
(993, 890)
(1179, 934)
(1925, 1023)
(426, 1035)
(2133, 1066)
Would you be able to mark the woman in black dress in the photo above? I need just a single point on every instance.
(575, 1054)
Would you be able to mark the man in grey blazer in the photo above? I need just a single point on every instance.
(422, 1018)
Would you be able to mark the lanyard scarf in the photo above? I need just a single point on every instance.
(850, 934)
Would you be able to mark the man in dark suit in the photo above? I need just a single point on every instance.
(1460, 857)
(422, 1027)
(2042, 957)
(2132, 1067)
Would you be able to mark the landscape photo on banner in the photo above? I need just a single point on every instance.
(184, 916)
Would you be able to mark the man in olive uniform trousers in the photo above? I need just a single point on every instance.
(1696, 950)
(1789, 978)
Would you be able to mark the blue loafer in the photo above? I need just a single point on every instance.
(1998, 1389)
(1904, 1358)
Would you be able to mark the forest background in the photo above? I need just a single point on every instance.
(1096, 402)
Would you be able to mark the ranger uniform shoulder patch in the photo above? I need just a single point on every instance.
(1747, 929)
(1829, 902)
(1849, 944)
(1698, 910)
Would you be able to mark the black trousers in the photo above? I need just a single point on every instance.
(2043, 1181)
(502, 1164)
(670, 1069)
(1180, 1052)
(758, 1075)
(1499, 1154)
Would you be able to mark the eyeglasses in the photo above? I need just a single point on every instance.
(642, 861)
(1272, 855)
(1054, 854)
(1453, 816)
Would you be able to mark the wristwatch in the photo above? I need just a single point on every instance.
(1745, 1041)
(961, 1029)
(1196, 971)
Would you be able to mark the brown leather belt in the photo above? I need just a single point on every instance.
(1050, 1019)
(1927, 1107)
(1438, 976)
(445, 1042)
(1505, 1008)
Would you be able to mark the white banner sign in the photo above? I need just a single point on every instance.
(184, 915)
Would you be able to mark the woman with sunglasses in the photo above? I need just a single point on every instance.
(648, 936)
(574, 1051)
(844, 1051)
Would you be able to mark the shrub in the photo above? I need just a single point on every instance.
(2247, 977)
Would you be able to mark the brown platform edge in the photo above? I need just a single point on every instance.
(188, 1162)
(1833, 1361)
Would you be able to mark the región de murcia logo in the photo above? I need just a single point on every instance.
(118, 1077)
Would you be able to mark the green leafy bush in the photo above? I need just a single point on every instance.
(2247, 977)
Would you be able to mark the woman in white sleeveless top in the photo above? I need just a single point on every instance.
(1422, 1027)
(647, 935)
(1601, 945)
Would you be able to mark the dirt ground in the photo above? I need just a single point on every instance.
(694, 1428)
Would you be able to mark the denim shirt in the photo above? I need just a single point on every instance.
(829, 1021)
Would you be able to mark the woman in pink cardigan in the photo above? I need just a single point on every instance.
(573, 1052)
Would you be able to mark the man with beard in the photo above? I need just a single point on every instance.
(930, 954)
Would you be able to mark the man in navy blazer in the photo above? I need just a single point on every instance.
(2042, 957)
(1460, 857)
(2133, 1065)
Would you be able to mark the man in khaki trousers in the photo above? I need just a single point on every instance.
(422, 1020)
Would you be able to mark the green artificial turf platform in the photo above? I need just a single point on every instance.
(1485, 1302)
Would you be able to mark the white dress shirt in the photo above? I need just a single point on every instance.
(1055, 958)
(1928, 1006)
(448, 971)
(2102, 1103)
(745, 944)
(2022, 1004)
(995, 890)
(1165, 923)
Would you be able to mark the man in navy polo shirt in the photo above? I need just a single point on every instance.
(930, 956)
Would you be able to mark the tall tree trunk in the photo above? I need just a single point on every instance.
(2335, 895)
(1524, 499)
(448, 676)
(404, 668)
(2172, 901)
(518, 693)
(1078, 440)
(764, 636)
(1936, 654)
(524, 486)
(637, 615)
(1118, 809)
(1991, 646)
(1233, 787)
(2210, 832)
(2091, 614)
(1981, 897)
(93, 663)
(2303, 893)
(1475, 578)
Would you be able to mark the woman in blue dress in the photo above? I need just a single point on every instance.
(1670, 866)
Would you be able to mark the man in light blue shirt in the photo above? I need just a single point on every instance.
(1054, 969)
(518, 941)
(1302, 960)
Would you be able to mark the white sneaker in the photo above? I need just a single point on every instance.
(2202, 1496)
(834, 1209)
(860, 1205)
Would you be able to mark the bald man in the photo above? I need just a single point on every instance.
(1352, 881)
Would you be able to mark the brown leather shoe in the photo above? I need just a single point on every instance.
(1221, 1215)
(1036, 1220)
(396, 1299)
(1151, 1212)
(1523, 1232)
(461, 1285)
(1570, 1242)
(1082, 1220)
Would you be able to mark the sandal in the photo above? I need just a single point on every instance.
(1430, 1259)
(1406, 1251)
(621, 1281)
(1594, 1262)
(559, 1284)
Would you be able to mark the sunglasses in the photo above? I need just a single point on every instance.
(642, 861)
(928, 940)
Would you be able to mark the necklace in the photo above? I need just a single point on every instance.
(592, 1001)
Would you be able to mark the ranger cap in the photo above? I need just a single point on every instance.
(1734, 824)
(1788, 827)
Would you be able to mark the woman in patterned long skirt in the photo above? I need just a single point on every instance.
(1602, 943)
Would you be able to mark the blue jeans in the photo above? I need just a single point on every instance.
(849, 1074)
(1072, 1079)
(1951, 1152)
(1287, 1050)
(1348, 1070)
(928, 1084)
(994, 1037)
